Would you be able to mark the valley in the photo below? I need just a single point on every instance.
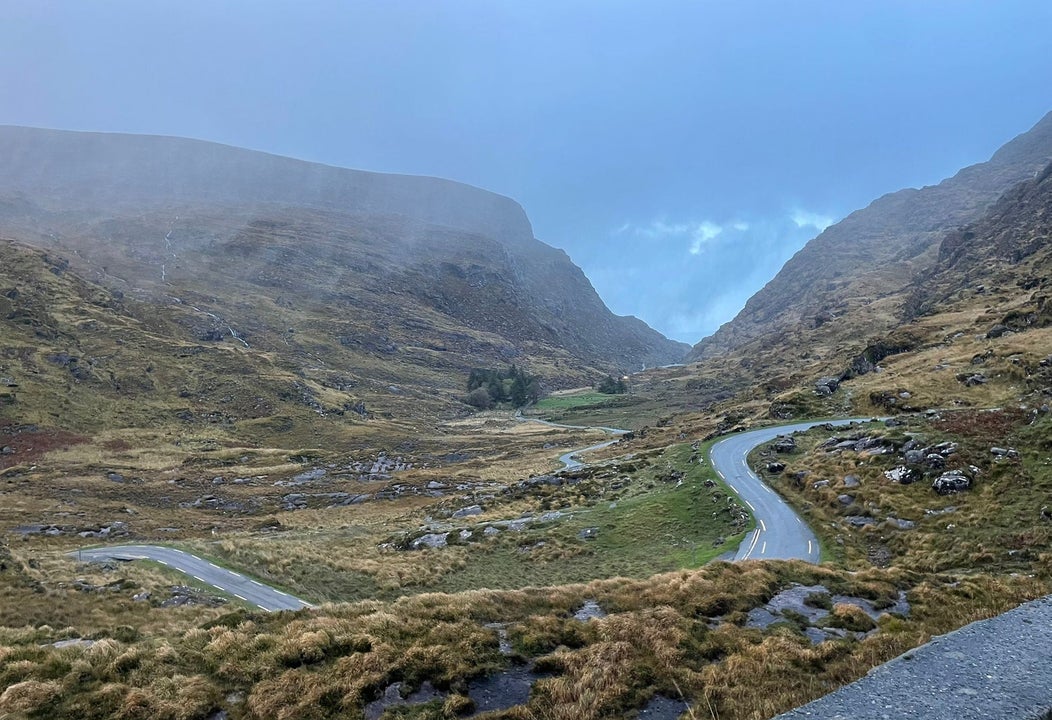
(265, 364)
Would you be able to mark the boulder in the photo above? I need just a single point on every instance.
(588, 533)
(914, 457)
(775, 467)
(951, 482)
(785, 444)
(901, 524)
(902, 475)
(997, 331)
(431, 540)
(468, 511)
(972, 380)
(859, 520)
(851, 481)
(845, 499)
(827, 385)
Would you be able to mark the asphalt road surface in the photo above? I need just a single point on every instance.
(780, 534)
(997, 669)
(238, 585)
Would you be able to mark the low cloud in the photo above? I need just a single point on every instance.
(804, 218)
(686, 277)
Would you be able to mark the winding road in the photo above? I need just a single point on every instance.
(240, 586)
(780, 534)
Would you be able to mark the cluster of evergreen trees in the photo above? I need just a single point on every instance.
(488, 387)
(612, 386)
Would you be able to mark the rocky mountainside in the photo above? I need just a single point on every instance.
(330, 288)
(875, 253)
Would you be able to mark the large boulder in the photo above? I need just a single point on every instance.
(785, 444)
(951, 482)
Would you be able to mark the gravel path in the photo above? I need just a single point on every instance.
(997, 669)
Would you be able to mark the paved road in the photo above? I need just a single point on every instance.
(997, 669)
(569, 460)
(238, 585)
(780, 533)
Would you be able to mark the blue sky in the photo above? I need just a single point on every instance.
(680, 152)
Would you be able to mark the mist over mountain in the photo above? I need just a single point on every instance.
(144, 212)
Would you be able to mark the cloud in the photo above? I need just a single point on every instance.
(803, 218)
(702, 233)
(740, 226)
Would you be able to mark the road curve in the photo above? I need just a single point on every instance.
(244, 588)
(780, 533)
(569, 460)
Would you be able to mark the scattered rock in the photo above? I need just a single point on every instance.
(775, 467)
(972, 380)
(951, 482)
(820, 484)
(900, 523)
(491, 531)
(997, 331)
(140, 597)
(859, 521)
(431, 540)
(785, 444)
(902, 475)
(467, 512)
(845, 499)
(588, 533)
(851, 481)
(827, 385)
(115, 477)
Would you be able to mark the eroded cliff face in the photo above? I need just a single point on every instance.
(875, 253)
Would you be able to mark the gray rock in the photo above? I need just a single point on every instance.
(914, 457)
(935, 461)
(7, 450)
(827, 385)
(859, 520)
(851, 481)
(468, 511)
(431, 540)
(775, 467)
(951, 482)
(820, 484)
(845, 499)
(114, 477)
(999, 451)
(902, 475)
(588, 533)
(785, 444)
(901, 524)
(491, 531)
(997, 331)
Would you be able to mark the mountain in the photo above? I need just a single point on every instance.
(855, 266)
(328, 287)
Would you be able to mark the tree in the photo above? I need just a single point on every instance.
(611, 386)
(512, 385)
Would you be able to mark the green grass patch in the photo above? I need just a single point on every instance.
(582, 400)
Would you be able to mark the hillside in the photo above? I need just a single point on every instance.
(327, 288)
(856, 265)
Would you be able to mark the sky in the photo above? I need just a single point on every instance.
(679, 152)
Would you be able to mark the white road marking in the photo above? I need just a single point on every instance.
(763, 526)
(261, 607)
(750, 506)
(797, 518)
(199, 578)
(733, 489)
(240, 597)
(763, 550)
(256, 582)
(808, 547)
